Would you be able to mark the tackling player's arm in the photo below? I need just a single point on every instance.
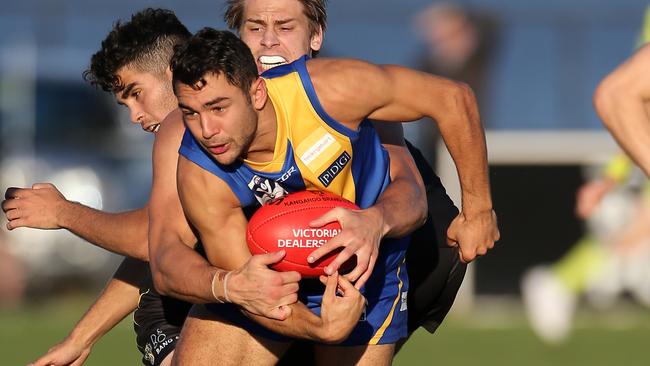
(177, 269)
(353, 90)
(621, 101)
(44, 207)
(214, 210)
(119, 298)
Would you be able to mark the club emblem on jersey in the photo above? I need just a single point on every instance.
(265, 189)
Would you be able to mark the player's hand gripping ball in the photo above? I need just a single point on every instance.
(283, 224)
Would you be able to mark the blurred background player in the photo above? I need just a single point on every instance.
(614, 255)
(457, 44)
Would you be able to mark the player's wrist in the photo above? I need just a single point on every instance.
(82, 339)
(220, 281)
(378, 216)
(475, 208)
(66, 214)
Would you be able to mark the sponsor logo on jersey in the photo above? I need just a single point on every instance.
(334, 169)
(317, 149)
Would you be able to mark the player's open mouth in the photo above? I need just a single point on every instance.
(218, 149)
(269, 62)
(152, 128)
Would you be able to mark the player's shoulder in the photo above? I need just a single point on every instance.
(340, 67)
(345, 78)
(171, 128)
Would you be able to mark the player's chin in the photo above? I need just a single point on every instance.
(226, 158)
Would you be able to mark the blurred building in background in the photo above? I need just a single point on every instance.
(534, 83)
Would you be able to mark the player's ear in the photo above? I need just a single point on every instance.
(259, 93)
(316, 40)
(168, 73)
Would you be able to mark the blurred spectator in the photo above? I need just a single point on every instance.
(458, 45)
(611, 258)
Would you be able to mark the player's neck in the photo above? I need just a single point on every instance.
(263, 145)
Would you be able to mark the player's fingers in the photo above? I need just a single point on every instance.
(361, 267)
(330, 287)
(481, 250)
(290, 277)
(42, 185)
(344, 256)
(452, 237)
(346, 287)
(288, 300)
(16, 223)
(9, 204)
(268, 258)
(288, 289)
(12, 214)
(44, 360)
(331, 244)
(365, 275)
(362, 280)
(14, 192)
(78, 362)
(467, 256)
(323, 279)
(328, 217)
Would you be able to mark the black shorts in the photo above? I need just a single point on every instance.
(435, 270)
(157, 323)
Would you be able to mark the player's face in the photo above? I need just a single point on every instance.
(220, 116)
(277, 32)
(150, 98)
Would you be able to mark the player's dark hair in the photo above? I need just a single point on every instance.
(146, 43)
(213, 51)
(314, 10)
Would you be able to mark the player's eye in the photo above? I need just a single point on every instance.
(286, 29)
(189, 114)
(135, 94)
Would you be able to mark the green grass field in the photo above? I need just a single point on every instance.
(496, 335)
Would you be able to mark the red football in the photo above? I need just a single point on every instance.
(283, 224)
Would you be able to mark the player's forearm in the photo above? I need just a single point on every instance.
(122, 233)
(403, 203)
(463, 134)
(624, 114)
(119, 298)
(179, 271)
(303, 324)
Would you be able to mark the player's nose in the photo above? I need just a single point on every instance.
(270, 38)
(137, 115)
(208, 128)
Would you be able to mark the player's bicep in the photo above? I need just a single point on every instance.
(215, 213)
(411, 95)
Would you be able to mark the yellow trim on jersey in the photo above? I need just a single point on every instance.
(380, 333)
(618, 168)
(645, 30)
(319, 144)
